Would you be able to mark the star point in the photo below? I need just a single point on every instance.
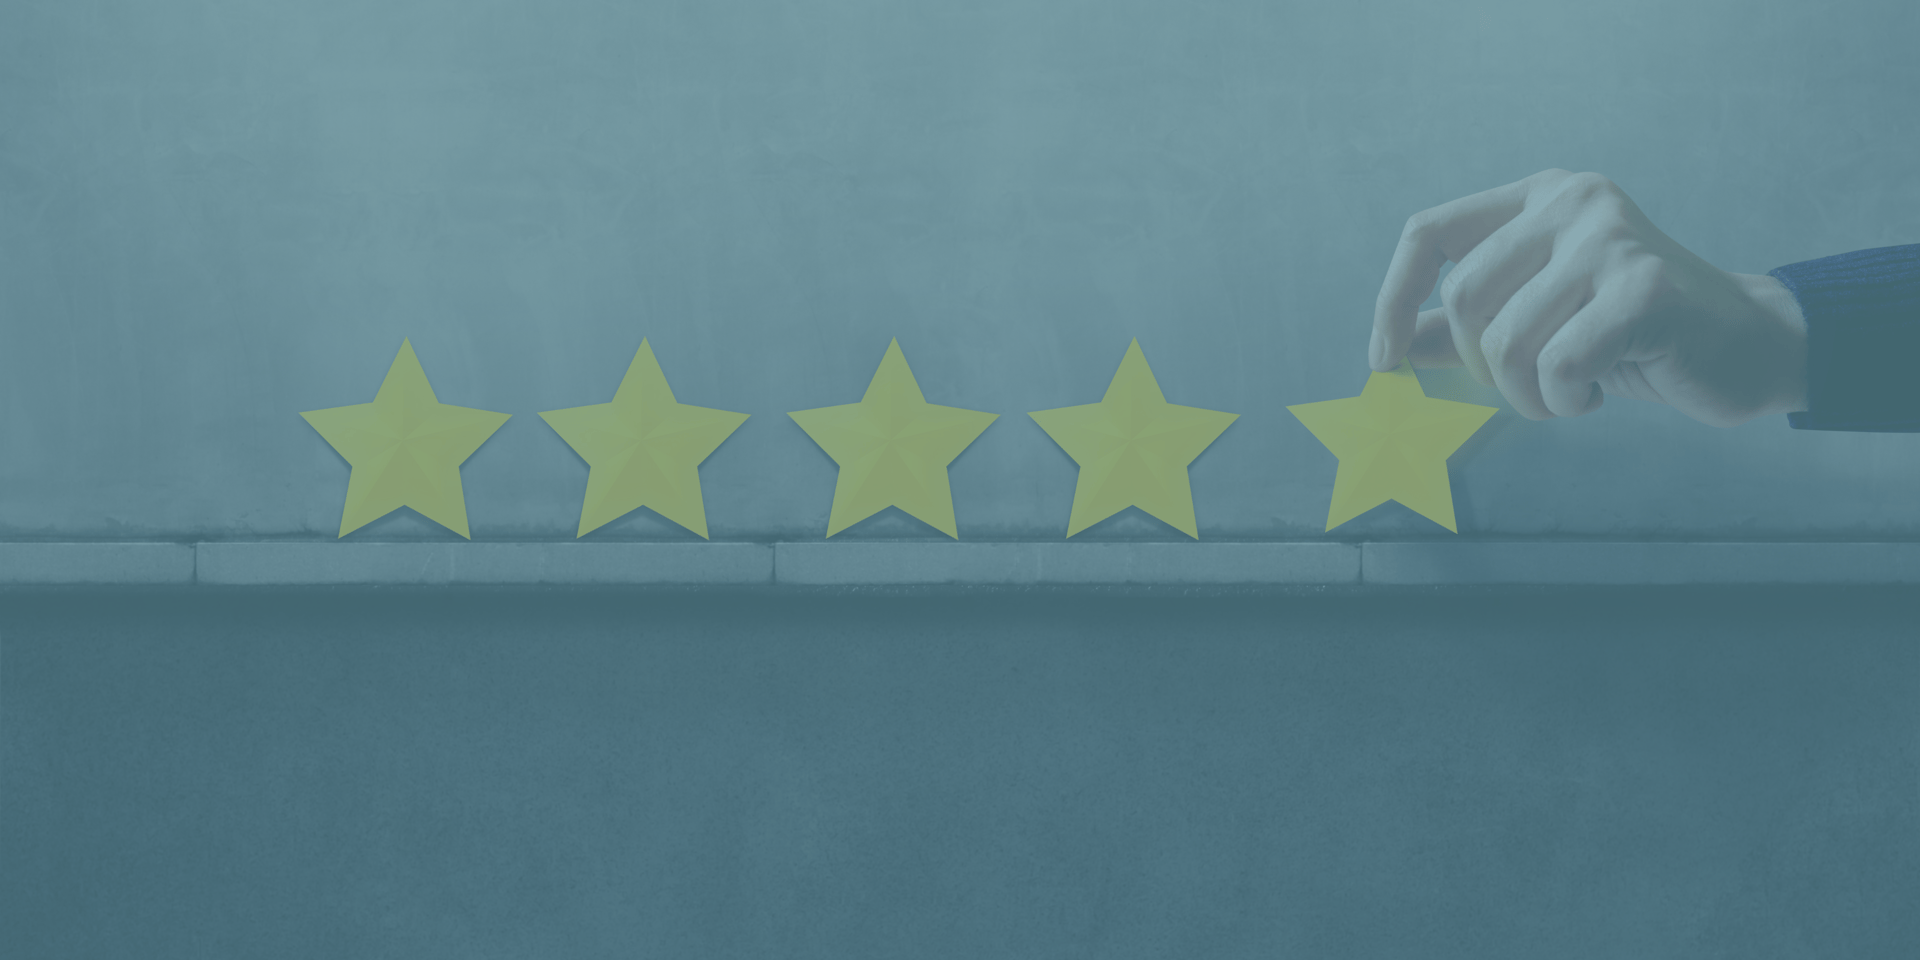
(644, 448)
(1392, 442)
(1133, 448)
(893, 448)
(405, 448)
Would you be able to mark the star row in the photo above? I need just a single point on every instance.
(644, 448)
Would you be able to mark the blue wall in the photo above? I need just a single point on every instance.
(216, 214)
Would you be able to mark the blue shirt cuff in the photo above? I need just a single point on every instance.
(1863, 339)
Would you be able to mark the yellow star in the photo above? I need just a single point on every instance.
(893, 448)
(644, 449)
(1393, 442)
(1133, 448)
(405, 448)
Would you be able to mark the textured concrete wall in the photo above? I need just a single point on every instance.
(355, 774)
(216, 215)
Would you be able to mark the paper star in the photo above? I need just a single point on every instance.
(405, 448)
(644, 449)
(893, 448)
(1133, 448)
(1393, 442)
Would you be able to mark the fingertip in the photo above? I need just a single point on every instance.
(1595, 397)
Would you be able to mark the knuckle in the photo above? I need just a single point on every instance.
(1558, 364)
(1497, 348)
(1586, 201)
(1590, 195)
(1452, 290)
(1590, 185)
(1610, 208)
(1417, 227)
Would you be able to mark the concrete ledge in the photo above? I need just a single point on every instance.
(871, 562)
(103, 563)
(1638, 564)
(301, 563)
(1436, 563)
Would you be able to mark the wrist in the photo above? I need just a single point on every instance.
(1785, 328)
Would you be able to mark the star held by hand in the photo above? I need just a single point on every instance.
(643, 449)
(1393, 442)
(893, 448)
(405, 448)
(1133, 448)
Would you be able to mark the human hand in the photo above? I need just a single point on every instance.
(1563, 291)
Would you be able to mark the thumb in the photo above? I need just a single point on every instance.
(1433, 341)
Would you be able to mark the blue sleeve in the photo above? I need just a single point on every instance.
(1863, 339)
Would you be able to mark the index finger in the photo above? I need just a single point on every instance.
(1432, 237)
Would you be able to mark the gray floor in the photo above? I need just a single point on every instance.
(377, 774)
